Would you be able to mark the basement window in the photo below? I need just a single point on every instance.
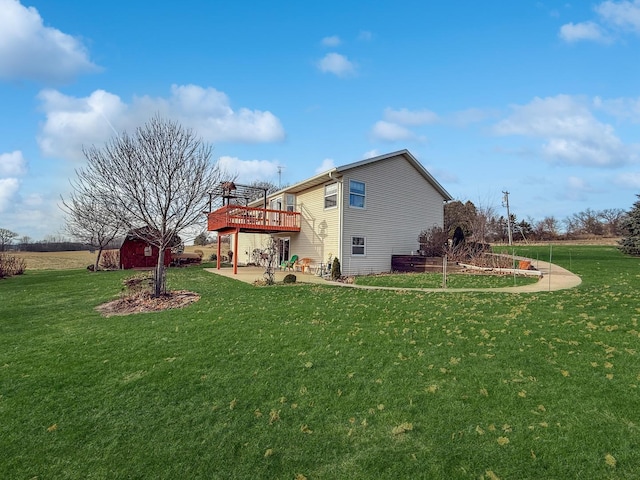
(358, 245)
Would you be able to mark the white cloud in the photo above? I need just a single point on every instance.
(619, 16)
(33, 215)
(29, 50)
(621, 108)
(72, 122)
(337, 64)
(410, 117)
(574, 32)
(12, 164)
(332, 41)
(391, 132)
(570, 132)
(8, 190)
(365, 36)
(247, 171)
(327, 164)
(624, 14)
(629, 180)
(394, 126)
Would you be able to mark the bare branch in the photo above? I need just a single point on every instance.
(154, 182)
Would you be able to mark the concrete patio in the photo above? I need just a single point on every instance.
(251, 274)
(553, 278)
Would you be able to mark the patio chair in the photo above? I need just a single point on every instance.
(288, 264)
(304, 265)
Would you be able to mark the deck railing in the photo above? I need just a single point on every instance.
(253, 219)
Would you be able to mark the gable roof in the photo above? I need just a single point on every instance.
(337, 172)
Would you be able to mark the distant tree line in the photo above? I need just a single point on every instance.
(11, 241)
(483, 224)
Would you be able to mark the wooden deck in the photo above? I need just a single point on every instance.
(252, 220)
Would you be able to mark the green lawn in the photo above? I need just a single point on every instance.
(324, 382)
(454, 280)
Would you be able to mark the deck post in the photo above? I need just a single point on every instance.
(219, 251)
(235, 251)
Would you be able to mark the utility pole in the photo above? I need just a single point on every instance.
(505, 203)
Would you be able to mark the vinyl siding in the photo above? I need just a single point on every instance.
(247, 242)
(319, 230)
(399, 204)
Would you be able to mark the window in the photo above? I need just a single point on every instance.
(331, 195)
(291, 202)
(357, 245)
(356, 194)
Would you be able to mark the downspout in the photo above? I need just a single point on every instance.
(341, 224)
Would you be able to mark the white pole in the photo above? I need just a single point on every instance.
(444, 271)
(550, 258)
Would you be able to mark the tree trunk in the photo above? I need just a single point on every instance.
(95, 266)
(158, 281)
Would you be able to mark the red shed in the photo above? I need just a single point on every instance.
(138, 253)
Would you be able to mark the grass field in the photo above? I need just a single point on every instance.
(323, 382)
(83, 258)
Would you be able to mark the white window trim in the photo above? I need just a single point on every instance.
(290, 205)
(364, 247)
(324, 198)
(364, 196)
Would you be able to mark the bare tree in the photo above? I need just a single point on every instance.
(155, 182)
(89, 221)
(24, 242)
(586, 222)
(613, 219)
(260, 187)
(485, 216)
(547, 228)
(6, 238)
(271, 254)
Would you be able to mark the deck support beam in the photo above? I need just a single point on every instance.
(219, 251)
(235, 251)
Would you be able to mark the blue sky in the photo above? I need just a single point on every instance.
(540, 98)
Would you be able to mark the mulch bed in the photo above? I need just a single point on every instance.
(143, 302)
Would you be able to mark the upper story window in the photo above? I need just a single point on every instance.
(291, 202)
(331, 195)
(356, 194)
